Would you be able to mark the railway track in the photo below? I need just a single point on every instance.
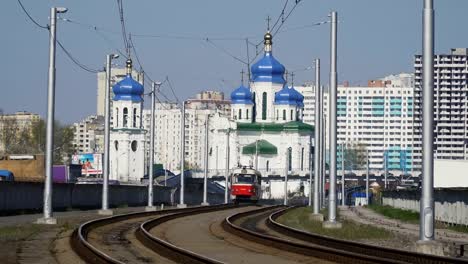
(245, 225)
(327, 248)
(93, 254)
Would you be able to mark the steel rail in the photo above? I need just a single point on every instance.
(313, 250)
(171, 251)
(355, 247)
(91, 254)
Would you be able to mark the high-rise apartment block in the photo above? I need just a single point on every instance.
(89, 135)
(450, 103)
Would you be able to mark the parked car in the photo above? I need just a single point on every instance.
(6, 175)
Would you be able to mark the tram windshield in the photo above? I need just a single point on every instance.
(244, 178)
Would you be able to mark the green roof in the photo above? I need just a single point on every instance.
(275, 127)
(261, 147)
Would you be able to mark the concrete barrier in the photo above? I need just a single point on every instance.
(451, 205)
(17, 196)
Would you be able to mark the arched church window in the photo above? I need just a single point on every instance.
(268, 165)
(134, 117)
(290, 159)
(125, 117)
(116, 117)
(134, 145)
(284, 114)
(264, 106)
(247, 114)
(292, 115)
(254, 114)
(302, 159)
(277, 114)
(240, 114)
(116, 145)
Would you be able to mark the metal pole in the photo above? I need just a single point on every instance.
(226, 198)
(426, 221)
(150, 206)
(385, 169)
(333, 129)
(105, 181)
(47, 207)
(343, 202)
(205, 180)
(367, 180)
(182, 157)
(165, 177)
(318, 140)
(323, 149)
(256, 154)
(286, 170)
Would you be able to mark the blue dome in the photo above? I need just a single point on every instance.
(128, 89)
(241, 95)
(286, 96)
(299, 97)
(268, 69)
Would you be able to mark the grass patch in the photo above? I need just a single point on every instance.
(457, 228)
(395, 213)
(17, 233)
(299, 218)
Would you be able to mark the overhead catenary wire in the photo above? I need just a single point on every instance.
(30, 17)
(172, 89)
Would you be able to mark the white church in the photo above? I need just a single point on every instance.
(127, 136)
(265, 126)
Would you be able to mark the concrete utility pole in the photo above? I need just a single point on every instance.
(286, 171)
(105, 179)
(182, 158)
(323, 150)
(426, 221)
(332, 221)
(150, 206)
(317, 139)
(367, 179)
(385, 169)
(343, 202)
(226, 197)
(47, 207)
(256, 154)
(205, 178)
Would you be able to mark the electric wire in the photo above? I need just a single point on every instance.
(30, 17)
(287, 16)
(122, 24)
(172, 89)
(74, 60)
(225, 51)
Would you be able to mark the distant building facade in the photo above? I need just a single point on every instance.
(18, 121)
(450, 104)
(89, 135)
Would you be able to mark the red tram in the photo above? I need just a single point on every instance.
(245, 185)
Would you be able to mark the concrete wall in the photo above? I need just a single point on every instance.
(25, 170)
(16, 196)
(451, 205)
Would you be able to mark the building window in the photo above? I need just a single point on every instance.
(240, 114)
(117, 117)
(134, 117)
(116, 144)
(284, 114)
(254, 114)
(247, 113)
(292, 114)
(264, 106)
(134, 145)
(277, 114)
(302, 159)
(268, 165)
(289, 159)
(125, 116)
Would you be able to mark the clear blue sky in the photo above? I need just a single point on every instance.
(376, 38)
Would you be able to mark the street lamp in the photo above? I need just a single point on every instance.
(205, 178)
(105, 183)
(150, 206)
(47, 207)
(182, 157)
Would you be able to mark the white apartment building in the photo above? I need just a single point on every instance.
(380, 116)
(89, 135)
(117, 74)
(450, 103)
(168, 130)
(20, 120)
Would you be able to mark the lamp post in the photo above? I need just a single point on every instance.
(226, 181)
(332, 221)
(367, 179)
(150, 207)
(343, 201)
(47, 207)
(182, 157)
(426, 221)
(286, 171)
(318, 139)
(205, 178)
(105, 179)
